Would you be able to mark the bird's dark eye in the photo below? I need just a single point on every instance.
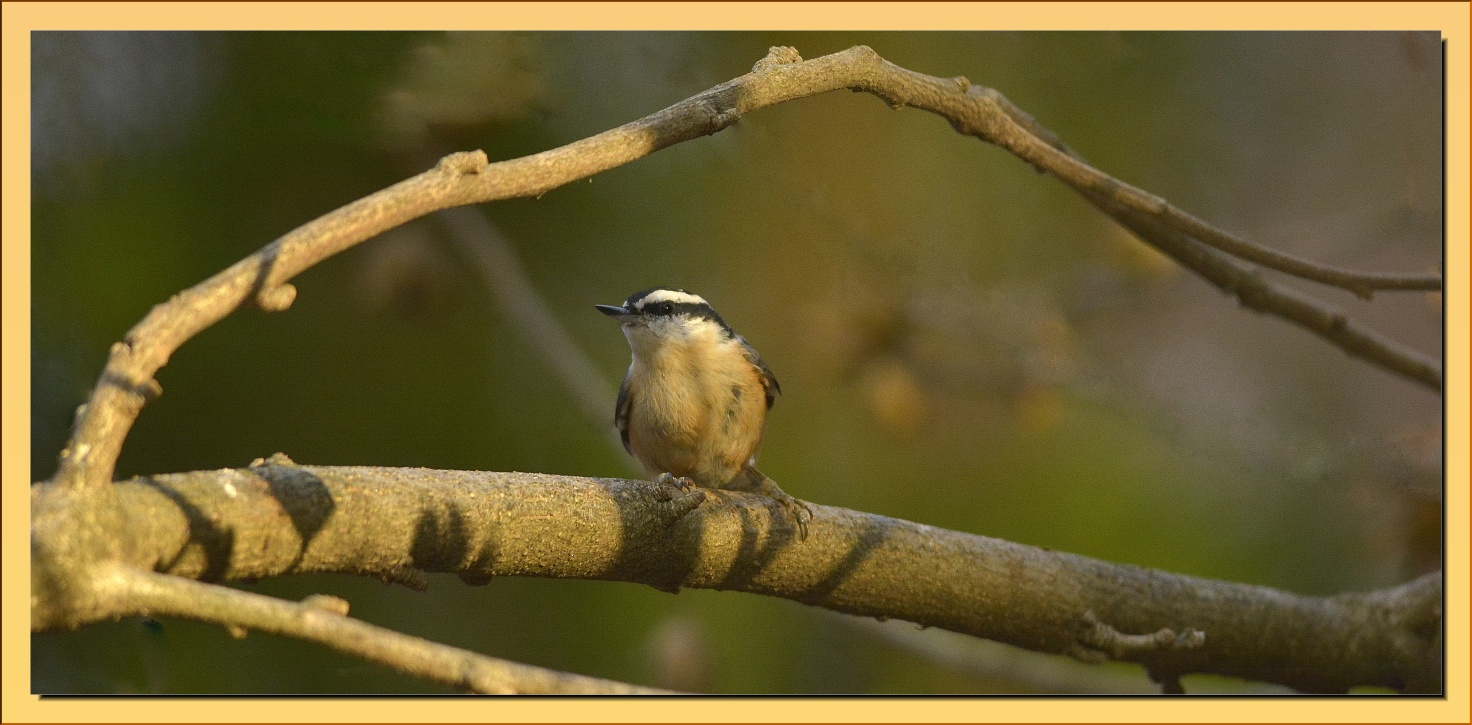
(664, 308)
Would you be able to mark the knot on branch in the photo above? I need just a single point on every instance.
(123, 356)
(139, 391)
(865, 53)
(463, 163)
(276, 459)
(674, 503)
(276, 298)
(719, 114)
(982, 116)
(326, 603)
(409, 577)
(1249, 288)
(271, 292)
(777, 55)
(1099, 642)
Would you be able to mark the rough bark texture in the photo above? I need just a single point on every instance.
(279, 518)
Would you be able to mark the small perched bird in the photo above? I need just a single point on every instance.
(693, 406)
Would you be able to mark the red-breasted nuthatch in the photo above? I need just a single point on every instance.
(693, 406)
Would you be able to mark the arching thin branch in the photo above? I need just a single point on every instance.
(323, 619)
(127, 382)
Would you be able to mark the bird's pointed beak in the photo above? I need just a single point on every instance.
(617, 313)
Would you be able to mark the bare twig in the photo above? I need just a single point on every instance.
(1104, 642)
(323, 619)
(1247, 284)
(989, 116)
(1029, 672)
(280, 518)
(1363, 284)
(128, 381)
(1100, 642)
(1077, 173)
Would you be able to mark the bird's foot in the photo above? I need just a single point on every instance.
(800, 512)
(686, 485)
(797, 509)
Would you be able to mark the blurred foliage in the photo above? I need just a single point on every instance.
(961, 342)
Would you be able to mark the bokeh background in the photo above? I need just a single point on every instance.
(961, 341)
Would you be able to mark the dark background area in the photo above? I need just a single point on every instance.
(961, 341)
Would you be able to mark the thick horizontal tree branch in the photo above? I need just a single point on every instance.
(127, 382)
(323, 619)
(279, 518)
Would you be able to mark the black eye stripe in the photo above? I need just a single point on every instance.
(665, 309)
(669, 308)
(688, 309)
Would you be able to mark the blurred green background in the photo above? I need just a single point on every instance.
(961, 341)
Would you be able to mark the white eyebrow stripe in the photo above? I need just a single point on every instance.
(669, 295)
